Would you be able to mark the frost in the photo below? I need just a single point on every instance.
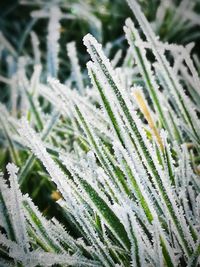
(76, 71)
(36, 50)
(169, 77)
(32, 141)
(123, 151)
(116, 58)
(52, 40)
(15, 207)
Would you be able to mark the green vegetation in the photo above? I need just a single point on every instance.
(99, 133)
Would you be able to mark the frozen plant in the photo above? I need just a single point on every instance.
(120, 156)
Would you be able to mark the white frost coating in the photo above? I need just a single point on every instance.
(10, 245)
(53, 98)
(49, 235)
(116, 58)
(76, 70)
(35, 144)
(95, 143)
(64, 96)
(36, 50)
(107, 77)
(117, 110)
(38, 148)
(96, 53)
(52, 41)
(148, 74)
(83, 218)
(34, 82)
(90, 43)
(191, 86)
(5, 197)
(56, 173)
(16, 210)
(114, 157)
(156, 242)
(158, 230)
(88, 174)
(138, 172)
(144, 245)
(49, 259)
(6, 242)
(63, 237)
(167, 158)
(170, 78)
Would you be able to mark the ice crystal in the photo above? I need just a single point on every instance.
(121, 154)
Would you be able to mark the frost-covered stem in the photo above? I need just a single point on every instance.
(140, 55)
(17, 214)
(167, 72)
(76, 71)
(52, 41)
(36, 50)
(147, 114)
(30, 161)
(139, 140)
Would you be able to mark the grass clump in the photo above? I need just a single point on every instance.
(105, 162)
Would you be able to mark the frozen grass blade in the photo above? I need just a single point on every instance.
(120, 155)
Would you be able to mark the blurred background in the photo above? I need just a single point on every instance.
(174, 21)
